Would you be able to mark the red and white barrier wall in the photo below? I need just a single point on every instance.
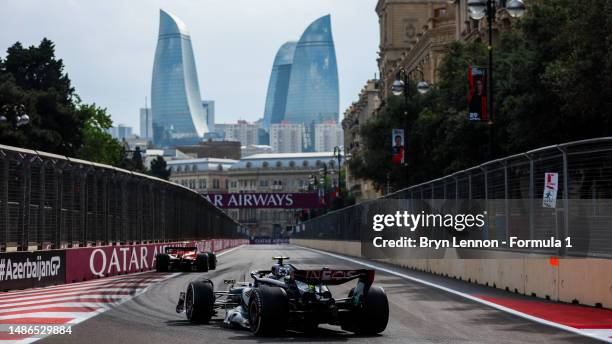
(21, 270)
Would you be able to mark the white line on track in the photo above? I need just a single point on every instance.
(602, 335)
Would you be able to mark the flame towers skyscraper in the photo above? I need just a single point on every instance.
(176, 105)
(313, 95)
(276, 99)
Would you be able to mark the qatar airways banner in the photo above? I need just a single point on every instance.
(96, 262)
(266, 200)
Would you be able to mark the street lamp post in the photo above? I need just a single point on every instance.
(21, 117)
(338, 155)
(401, 84)
(477, 10)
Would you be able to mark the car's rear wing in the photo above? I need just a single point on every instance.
(333, 277)
(181, 248)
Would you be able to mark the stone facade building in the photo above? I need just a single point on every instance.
(260, 173)
(357, 114)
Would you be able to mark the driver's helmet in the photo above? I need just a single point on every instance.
(279, 270)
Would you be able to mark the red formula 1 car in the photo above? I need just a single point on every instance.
(185, 259)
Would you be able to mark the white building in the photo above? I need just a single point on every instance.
(242, 131)
(286, 137)
(328, 135)
(146, 124)
(254, 149)
(120, 132)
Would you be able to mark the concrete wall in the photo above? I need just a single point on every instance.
(587, 281)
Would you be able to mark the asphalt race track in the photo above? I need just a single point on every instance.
(419, 314)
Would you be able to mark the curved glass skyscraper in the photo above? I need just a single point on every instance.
(178, 116)
(276, 99)
(313, 95)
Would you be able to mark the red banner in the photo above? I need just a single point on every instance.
(95, 262)
(265, 200)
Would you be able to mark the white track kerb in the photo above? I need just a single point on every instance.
(67, 295)
(603, 335)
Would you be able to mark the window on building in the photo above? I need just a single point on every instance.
(279, 164)
(291, 163)
(265, 164)
(249, 164)
(305, 163)
(215, 183)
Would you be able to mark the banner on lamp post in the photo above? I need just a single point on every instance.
(477, 96)
(398, 150)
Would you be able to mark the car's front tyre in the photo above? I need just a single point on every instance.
(199, 301)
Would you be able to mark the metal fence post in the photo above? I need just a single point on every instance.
(4, 201)
(531, 196)
(566, 200)
(105, 204)
(24, 209)
(83, 205)
(57, 203)
(506, 204)
(41, 204)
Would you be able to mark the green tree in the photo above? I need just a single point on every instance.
(556, 75)
(159, 168)
(35, 78)
(553, 84)
(98, 145)
(137, 162)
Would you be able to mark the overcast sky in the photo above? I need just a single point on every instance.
(108, 46)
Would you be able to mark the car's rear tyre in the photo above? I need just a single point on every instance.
(373, 317)
(199, 301)
(212, 261)
(162, 262)
(268, 311)
(202, 262)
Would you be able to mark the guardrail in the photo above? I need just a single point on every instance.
(49, 201)
(512, 189)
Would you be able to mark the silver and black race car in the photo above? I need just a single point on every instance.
(289, 298)
(185, 259)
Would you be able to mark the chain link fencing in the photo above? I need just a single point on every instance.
(511, 191)
(49, 201)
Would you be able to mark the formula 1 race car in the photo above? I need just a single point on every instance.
(288, 298)
(185, 259)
